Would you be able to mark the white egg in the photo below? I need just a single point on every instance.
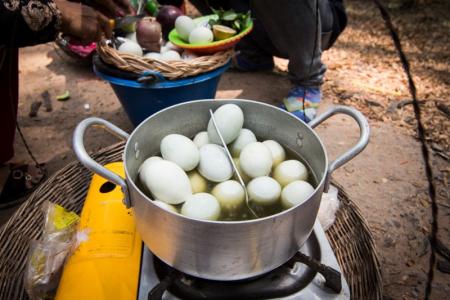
(264, 190)
(130, 47)
(244, 176)
(198, 182)
(184, 25)
(188, 55)
(201, 139)
(201, 35)
(165, 206)
(256, 160)
(296, 193)
(278, 153)
(170, 55)
(123, 39)
(201, 206)
(145, 165)
(153, 55)
(229, 119)
(214, 164)
(132, 37)
(167, 181)
(230, 194)
(169, 46)
(244, 138)
(181, 150)
(289, 171)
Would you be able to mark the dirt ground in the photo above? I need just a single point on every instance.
(387, 180)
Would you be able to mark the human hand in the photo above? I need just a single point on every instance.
(82, 21)
(115, 8)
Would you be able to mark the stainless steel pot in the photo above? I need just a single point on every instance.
(213, 249)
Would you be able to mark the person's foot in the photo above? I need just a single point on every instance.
(303, 102)
(244, 63)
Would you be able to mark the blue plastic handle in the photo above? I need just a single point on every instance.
(150, 76)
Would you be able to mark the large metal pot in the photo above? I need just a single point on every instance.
(214, 249)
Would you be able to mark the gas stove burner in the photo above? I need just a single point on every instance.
(312, 273)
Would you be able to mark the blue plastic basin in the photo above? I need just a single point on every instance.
(140, 100)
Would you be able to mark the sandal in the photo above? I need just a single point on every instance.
(22, 180)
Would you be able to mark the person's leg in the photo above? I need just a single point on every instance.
(16, 180)
(9, 89)
(295, 30)
(8, 108)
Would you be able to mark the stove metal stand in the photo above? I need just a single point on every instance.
(313, 273)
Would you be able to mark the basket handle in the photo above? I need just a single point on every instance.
(150, 77)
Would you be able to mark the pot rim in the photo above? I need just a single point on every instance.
(258, 220)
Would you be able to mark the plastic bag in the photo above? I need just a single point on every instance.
(328, 207)
(47, 255)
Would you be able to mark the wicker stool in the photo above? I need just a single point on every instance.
(349, 236)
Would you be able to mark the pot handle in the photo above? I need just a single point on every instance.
(88, 162)
(364, 135)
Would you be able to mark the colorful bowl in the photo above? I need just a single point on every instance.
(211, 47)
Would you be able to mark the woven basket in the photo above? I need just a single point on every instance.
(349, 236)
(169, 69)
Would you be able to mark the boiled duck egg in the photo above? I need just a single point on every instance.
(229, 119)
(289, 171)
(184, 25)
(166, 181)
(256, 160)
(165, 206)
(201, 206)
(201, 35)
(230, 194)
(295, 193)
(198, 182)
(201, 139)
(244, 138)
(278, 153)
(181, 150)
(214, 164)
(264, 190)
(130, 47)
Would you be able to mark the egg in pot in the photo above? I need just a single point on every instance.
(201, 139)
(230, 195)
(198, 182)
(229, 120)
(264, 190)
(214, 164)
(289, 171)
(244, 138)
(166, 181)
(201, 206)
(278, 153)
(166, 206)
(181, 150)
(256, 160)
(296, 193)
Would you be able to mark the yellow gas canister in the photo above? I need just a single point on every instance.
(106, 264)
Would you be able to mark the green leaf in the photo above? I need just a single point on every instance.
(212, 22)
(237, 25)
(63, 97)
(229, 15)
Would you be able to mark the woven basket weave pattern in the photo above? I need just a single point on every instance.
(171, 70)
(349, 236)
